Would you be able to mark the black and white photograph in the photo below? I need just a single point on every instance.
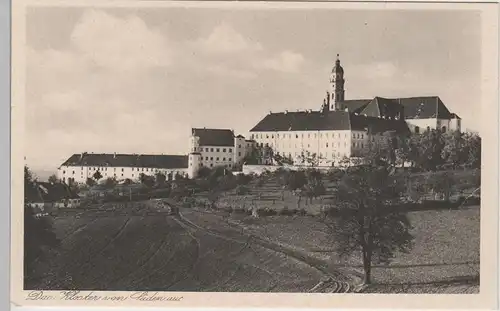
(183, 148)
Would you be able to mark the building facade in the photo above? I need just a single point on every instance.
(208, 147)
(216, 148)
(342, 128)
(79, 167)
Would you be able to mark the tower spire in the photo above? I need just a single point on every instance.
(337, 85)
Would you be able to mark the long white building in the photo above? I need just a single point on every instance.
(208, 147)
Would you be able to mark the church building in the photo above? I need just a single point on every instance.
(341, 128)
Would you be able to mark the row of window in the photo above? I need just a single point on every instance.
(290, 145)
(105, 169)
(230, 150)
(315, 135)
(417, 129)
(212, 165)
(296, 154)
(216, 159)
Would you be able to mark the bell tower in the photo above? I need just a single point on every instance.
(336, 85)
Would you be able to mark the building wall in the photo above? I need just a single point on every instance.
(240, 150)
(194, 164)
(456, 125)
(213, 156)
(420, 125)
(328, 145)
(433, 124)
(81, 173)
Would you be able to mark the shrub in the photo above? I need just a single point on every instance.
(242, 190)
(287, 212)
(266, 212)
(242, 179)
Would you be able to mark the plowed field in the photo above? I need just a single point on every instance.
(164, 253)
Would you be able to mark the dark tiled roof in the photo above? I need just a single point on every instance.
(378, 125)
(214, 137)
(332, 120)
(383, 107)
(44, 192)
(424, 108)
(355, 105)
(128, 160)
(303, 121)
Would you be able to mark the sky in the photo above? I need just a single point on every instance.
(134, 80)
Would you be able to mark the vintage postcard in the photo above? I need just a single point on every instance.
(255, 154)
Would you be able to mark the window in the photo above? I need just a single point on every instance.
(132, 169)
(267, 136)
(428, 129)
(122, 174)
(272, 136)
(211, 158)
(224, 150)
(230, 165)
(443, 128)
(82, 168)
(132, 175)
(218, 150)
(211, 165)
(73, 172)
(217, 159)
(231, 149)
(223, 159)
(417, 129)
(239, 154)
(211, 149)
(296, 135)
(362, 136)
(122, 169)
(142, 169)
(64, 172)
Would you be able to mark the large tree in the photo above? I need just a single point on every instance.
(38, 232)
(97, 175)
(364, 219)
(53, 179)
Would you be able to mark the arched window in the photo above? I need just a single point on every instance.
(417, 130)
(428, 129)
(443, 128)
